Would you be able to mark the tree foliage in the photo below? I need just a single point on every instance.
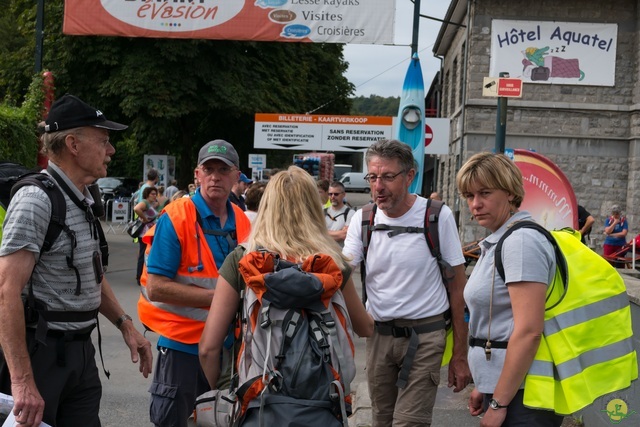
(18, 137)
(375, 105)
(176, 94)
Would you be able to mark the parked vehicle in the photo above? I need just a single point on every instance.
(354, 181)
(116, 187)
(339, 170)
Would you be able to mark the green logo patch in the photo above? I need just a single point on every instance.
(217, 149)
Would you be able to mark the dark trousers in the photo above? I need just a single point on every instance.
(141, 251)
(177, 381)
(519, 415)
(72, 392)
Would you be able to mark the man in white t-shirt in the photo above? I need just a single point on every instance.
(406, 294)
(338, 215)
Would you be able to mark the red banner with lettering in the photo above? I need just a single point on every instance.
(316, 21)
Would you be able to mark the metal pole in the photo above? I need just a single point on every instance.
(39, 36)
(416, 27)
(501, 121)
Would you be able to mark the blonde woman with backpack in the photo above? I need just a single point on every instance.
(284, 231)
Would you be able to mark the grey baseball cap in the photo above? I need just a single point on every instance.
(615, 208)
(219, 149)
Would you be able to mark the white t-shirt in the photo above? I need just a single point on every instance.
(403, 279)
(336, 219)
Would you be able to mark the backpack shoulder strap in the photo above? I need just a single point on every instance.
(346, 213)
(58, 204)
(231, 236)
(368, 215)
(431, 234)
(561, 262)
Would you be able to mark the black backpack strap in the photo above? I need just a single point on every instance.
(346, 213)
(94, 223)
(58, 205)
(368, 215)
(561, 262)
(231, 236)
(432, 236)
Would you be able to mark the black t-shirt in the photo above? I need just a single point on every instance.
(237, 200)
(583, 214)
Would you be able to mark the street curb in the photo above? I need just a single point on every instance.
(361, 416)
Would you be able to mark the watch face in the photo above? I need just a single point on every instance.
(494, 404)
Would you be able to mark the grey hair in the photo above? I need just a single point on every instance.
(392, 149)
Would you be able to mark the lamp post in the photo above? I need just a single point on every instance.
(501, 121)
(416, 27)
(39, 35)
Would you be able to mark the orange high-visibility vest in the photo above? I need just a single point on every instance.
(197, 268)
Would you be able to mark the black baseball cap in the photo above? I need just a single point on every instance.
(69, 112)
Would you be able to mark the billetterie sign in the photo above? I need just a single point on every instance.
(319, 132)
(314, 21)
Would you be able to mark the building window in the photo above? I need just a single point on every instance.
(446, 102)
(454, 81)
(461, 74)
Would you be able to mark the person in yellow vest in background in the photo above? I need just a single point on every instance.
(510, 311)
(188, 245)
(323, 192)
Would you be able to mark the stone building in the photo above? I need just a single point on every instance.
(590, 130)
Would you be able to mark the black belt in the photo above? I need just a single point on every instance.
(80, 335)
(65, 336)
(389, 328)
(411, 332)
(478, 342)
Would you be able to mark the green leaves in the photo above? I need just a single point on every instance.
(175, 94)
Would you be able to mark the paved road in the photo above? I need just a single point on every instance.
(125, 399)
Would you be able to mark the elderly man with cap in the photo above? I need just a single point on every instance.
(187, 247)
(50, 298)
(237, 192)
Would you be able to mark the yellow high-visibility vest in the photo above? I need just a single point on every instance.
(586, 349)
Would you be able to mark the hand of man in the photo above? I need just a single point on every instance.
(475, 403)
(28, 405)
(459, 373)
(140, 348)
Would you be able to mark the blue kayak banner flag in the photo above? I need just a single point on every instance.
(311, 21)
(410, 124)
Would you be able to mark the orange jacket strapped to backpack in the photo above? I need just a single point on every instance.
(297, 354)
(197, 268)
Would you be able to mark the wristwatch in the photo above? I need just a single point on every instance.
(122, 319)
(494, 404)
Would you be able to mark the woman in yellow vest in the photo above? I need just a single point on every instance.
(506, 317)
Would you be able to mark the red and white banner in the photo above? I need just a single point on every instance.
(548, 194)
(316, 21)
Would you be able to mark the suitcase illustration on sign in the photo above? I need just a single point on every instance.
(540, 74)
